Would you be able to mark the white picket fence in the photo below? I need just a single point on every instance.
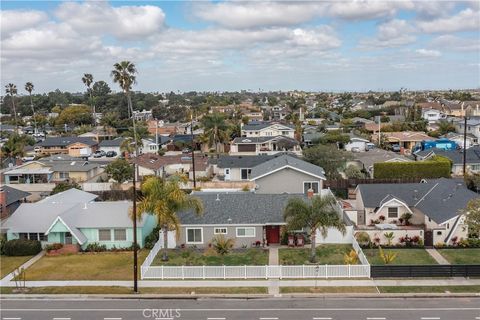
(358, 250)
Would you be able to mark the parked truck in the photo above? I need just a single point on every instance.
(443, 144)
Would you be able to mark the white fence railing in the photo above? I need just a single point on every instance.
(151, 256)
(256, 272)
(360, 254)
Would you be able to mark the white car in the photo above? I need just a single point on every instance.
(28, 158)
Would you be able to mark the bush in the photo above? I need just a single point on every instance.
(152, 238)
(21, 247)
(96, 247)
(222, 244)
(53, 246)
(363, 238)
(3, 240)
(438, 167)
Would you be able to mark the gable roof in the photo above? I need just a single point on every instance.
(13, 195)
(238, 208)
(225, 161)
(472, 156)
(66, 141)
(117, 142)
(70, 196)
(255, 126)
(439, 199)
(284, 161)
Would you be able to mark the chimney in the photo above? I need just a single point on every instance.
(310, 193)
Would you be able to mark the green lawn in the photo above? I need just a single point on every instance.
(9, 264)
(404, 256)
(326, 254)
(191, 257)
(461, 255)
(86, 266)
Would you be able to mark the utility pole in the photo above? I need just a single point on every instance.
(465, 144)
(135, 256)
(193, 150)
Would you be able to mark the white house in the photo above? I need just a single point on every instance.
(432, 115)
(357, 144)
(265, 129)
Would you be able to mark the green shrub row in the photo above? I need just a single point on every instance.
(438, 167)
(21, 247)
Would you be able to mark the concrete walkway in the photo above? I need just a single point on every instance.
(273, 284)
(273, 256)
(437, 256)
(10, 276)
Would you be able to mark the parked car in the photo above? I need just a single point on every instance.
(396, 148)
(186, 150)
(28, 158)
(99, 154)
(111, 154)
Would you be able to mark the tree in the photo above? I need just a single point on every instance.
(328, 157)
(472, 219)
(87, 80)
(119, 170)
(74, 115)
(389, 236)
(64, 186)
(472, 180)
(164, 199)
(353, 172)
(215, 129)
(445, 127)
(124, 73)
(29, 88)
(316, 214)
(14, 148)
(11, 90)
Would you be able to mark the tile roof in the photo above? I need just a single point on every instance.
(408, 136)
(155, 162)
(283, 161)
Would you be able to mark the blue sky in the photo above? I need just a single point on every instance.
(233, 45)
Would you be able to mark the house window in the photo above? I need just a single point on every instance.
(246, 173)
(63, 175)
(439, 233)
(120, 234)
(33, 236)
(311, 185)
(393, 212)
(245, 232)
(23, 236)
(194, 235)
(42, 237)
(104, 235)
(220, 231)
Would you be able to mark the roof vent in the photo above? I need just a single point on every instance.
(85, 206)
(218, 197)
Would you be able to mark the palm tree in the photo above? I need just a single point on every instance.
(87, 80)
(165, 199)
(14, 147)
(317, 213)
(11, 90)
(29, 88)
(216, 129)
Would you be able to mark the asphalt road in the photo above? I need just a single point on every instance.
(241, 309)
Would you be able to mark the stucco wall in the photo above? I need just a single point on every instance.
(285, 181)
(397, 234)
(231, 233)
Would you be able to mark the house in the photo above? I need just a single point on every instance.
(73, 146)
(406, 140)
(112, 145)
(310, 135)
(10, 200)
(366, 160)
(460, 109)
(53, 169)
(264, 145)
(357, 144)
(153, 164)
(287, 174)
(267, 129)
(456, 156)
(98, 134)
(73, 217)
(237, 168)
(433, 115)
(143, 115)
(473, 126)
(435, 208)
(471, 140)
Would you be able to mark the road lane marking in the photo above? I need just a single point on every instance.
(318, 318)
(376, 318)
(12, 318)
(112, 318)
(275, 318)
(216, 318)
(61, 318)
(252, 309)
(430, 318)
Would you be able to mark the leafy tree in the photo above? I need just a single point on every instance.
(353, 172)
(66, 185)
(445, 127)
(328, 157)
(216, 130)
(74, 115)
(472, 220)
(316, 214)
(119, 170)
(473, 181)
(334, 137)
(164, 199)
(14, 148)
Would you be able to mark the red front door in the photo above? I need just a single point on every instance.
(273, 234)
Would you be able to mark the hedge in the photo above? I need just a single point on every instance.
(437, 167)
(21, 247)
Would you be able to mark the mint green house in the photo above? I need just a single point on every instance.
(72, 217)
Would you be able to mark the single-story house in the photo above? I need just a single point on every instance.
(237, 168)
(405, 139)
(153, 164)
(456, 156)
(366, 160)
(112, 145)
(264, 145)
(72, 217)
(287, 174)
(10, 200)
(73, 146)
(435, 207)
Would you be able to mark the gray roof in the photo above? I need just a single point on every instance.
(472, 156)
(239, 208)
(70, 166)
(439, 199)
(372, 156)
(249, 140)
(117, 142)
(65, 141)
(263, 125)
(286, 160)
(70, 196)
(243, 161)
(14, 195)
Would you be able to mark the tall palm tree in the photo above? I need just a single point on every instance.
(317, 213)
(87, 80)
(165, 199)
(29, 87)
(11, 90)
(216, 129)
(14, 147)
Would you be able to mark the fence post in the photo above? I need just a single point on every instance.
(224, 272)
(326, 272)
(281, 271)
(203, 272)
(349, 271)
(162, 271)
(245, 269)
(266, 272)
(183, 273)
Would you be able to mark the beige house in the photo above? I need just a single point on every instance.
(73, 146)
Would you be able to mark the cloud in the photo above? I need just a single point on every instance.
(366, 9)
(428, 53)
(454, 43)
(393, 33)
(15, 20)
(126, 22)
(465, 20)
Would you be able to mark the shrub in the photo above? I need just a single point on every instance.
(363, 238)
(21, 247)
(406, 217)
(438, 167)
(95, 247)
(152, 238)
(389, 236)
(245, 188)
(222, 244)
(351, 257)
(387, 257)
(53, 246)
(3, 240)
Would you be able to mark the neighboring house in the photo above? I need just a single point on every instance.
(266, 129)
(53, 169)
(152, 164)
(99, 134)
(264, 145)
(287, 174)
(366, 160)
(473, 126)
(311, 135)
(143, 115)
(456, 156)
(357, 144)
(73, 146)
(112, 145)
(153, 145)
(459, 109)
(10, 200)
(435, 207)
(458, 138)
(432, 115)
(237, 168)
(279, 113)
(73, 218)
(405, 139)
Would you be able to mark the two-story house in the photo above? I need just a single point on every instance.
(73, 146)
(267, 129)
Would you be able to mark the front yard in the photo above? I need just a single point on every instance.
(404, 256)
(9, 264)
(86, 266)
(461, 255)
(326, 254)
(208, 257)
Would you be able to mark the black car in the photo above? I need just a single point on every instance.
(111, 154)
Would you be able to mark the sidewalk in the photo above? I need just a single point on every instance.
(10, 276)
(437, 256)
